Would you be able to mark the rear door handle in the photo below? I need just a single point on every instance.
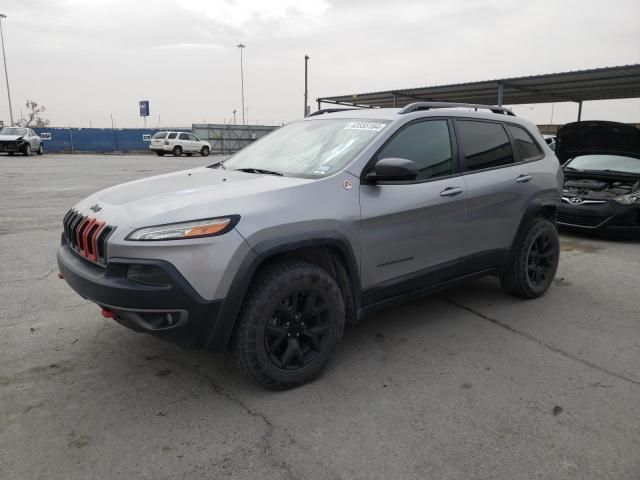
(524, 178)
(451, 192)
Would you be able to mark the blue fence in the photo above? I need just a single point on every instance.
(97, 139)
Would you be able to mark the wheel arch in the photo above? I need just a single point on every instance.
(330, 251)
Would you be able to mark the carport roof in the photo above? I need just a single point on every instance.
(577, 86)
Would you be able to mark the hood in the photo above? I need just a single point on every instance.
(597, 137)
(180, 196)
(10, 138)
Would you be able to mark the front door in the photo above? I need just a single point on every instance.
(412, 231)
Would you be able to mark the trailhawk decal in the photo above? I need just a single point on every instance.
(376, 127)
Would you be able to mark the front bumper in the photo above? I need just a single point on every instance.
(173, 311)
(601, 217)
(11, 146)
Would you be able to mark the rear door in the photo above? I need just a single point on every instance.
(411, 231)
(185, 143)
(499, 186)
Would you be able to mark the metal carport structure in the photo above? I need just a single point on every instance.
(578, 86)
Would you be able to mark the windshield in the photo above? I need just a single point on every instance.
(13, 131)
(308, 148)
(613, 163)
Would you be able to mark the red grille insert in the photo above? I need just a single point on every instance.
(87, 236)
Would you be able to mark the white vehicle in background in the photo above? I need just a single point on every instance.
(551, 141)
(20, 140)
(178, 143)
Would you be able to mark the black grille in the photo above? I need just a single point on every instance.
(583, 221)
(9, 146)
(87, 236)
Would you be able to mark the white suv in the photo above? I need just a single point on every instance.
(178, 143)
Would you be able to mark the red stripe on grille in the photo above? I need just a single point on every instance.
(79, 236)
(96, 228)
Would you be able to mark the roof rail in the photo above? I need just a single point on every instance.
(329, 110)
(416, 106)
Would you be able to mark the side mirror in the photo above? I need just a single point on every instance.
(392, 169)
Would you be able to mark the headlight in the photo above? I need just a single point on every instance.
(629, 199)
(178, 231)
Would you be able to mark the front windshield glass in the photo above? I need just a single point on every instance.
(13, 131)
(308, 148)
(613, 163)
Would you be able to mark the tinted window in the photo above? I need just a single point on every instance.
(172, 135)
(484, 144)
(159, 135)
(525, 145)
(184, 136)
(427, 144)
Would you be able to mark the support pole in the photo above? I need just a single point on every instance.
(500, 92)
(306, 90)
(319, 105)
(579, 110)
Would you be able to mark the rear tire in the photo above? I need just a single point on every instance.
(534, 260)
(292, 320)
(41, 149)
(177, 151)
(160, 154)
(204, 152)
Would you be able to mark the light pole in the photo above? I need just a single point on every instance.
(241, 47)
(6, 75)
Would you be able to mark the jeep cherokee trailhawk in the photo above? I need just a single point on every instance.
(269, 253)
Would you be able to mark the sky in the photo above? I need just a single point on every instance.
(89, 61)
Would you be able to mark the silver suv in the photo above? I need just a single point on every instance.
(322, 221)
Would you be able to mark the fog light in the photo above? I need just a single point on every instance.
(147, 275)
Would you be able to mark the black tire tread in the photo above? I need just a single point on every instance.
(244, 341)
(515, 280)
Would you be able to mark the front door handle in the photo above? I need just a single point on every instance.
(524, 178)
(451, 192)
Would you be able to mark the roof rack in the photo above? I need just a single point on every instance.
(330, 110)
(416, 106)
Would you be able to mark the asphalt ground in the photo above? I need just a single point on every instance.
(469, 383)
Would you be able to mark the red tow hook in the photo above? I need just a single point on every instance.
(60, 275)
(106, 313)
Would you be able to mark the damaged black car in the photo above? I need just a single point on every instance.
(601, 164)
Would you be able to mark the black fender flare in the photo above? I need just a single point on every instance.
(537, 205)
(220, 334)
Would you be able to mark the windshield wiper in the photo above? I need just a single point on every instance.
(259, 170)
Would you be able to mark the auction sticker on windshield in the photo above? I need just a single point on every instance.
(376, 127)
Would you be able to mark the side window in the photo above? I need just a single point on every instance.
(32, 133)
(172, 135)
(184, 136)
(427, 143)
(484, 144)
(526, 146)
(193, 138)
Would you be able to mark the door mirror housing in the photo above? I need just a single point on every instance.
(392, 170)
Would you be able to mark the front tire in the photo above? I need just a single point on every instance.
(204, 152)
(292, 321)
(27, 150)
(41, 149)
(534, 260)
(177, 151)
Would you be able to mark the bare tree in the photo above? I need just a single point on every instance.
(34, 115)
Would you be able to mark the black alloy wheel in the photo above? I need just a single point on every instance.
(298, 330)
(540, 263)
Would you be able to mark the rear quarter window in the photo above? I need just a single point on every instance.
(526, 146)
(172, 135)
(159, 135)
